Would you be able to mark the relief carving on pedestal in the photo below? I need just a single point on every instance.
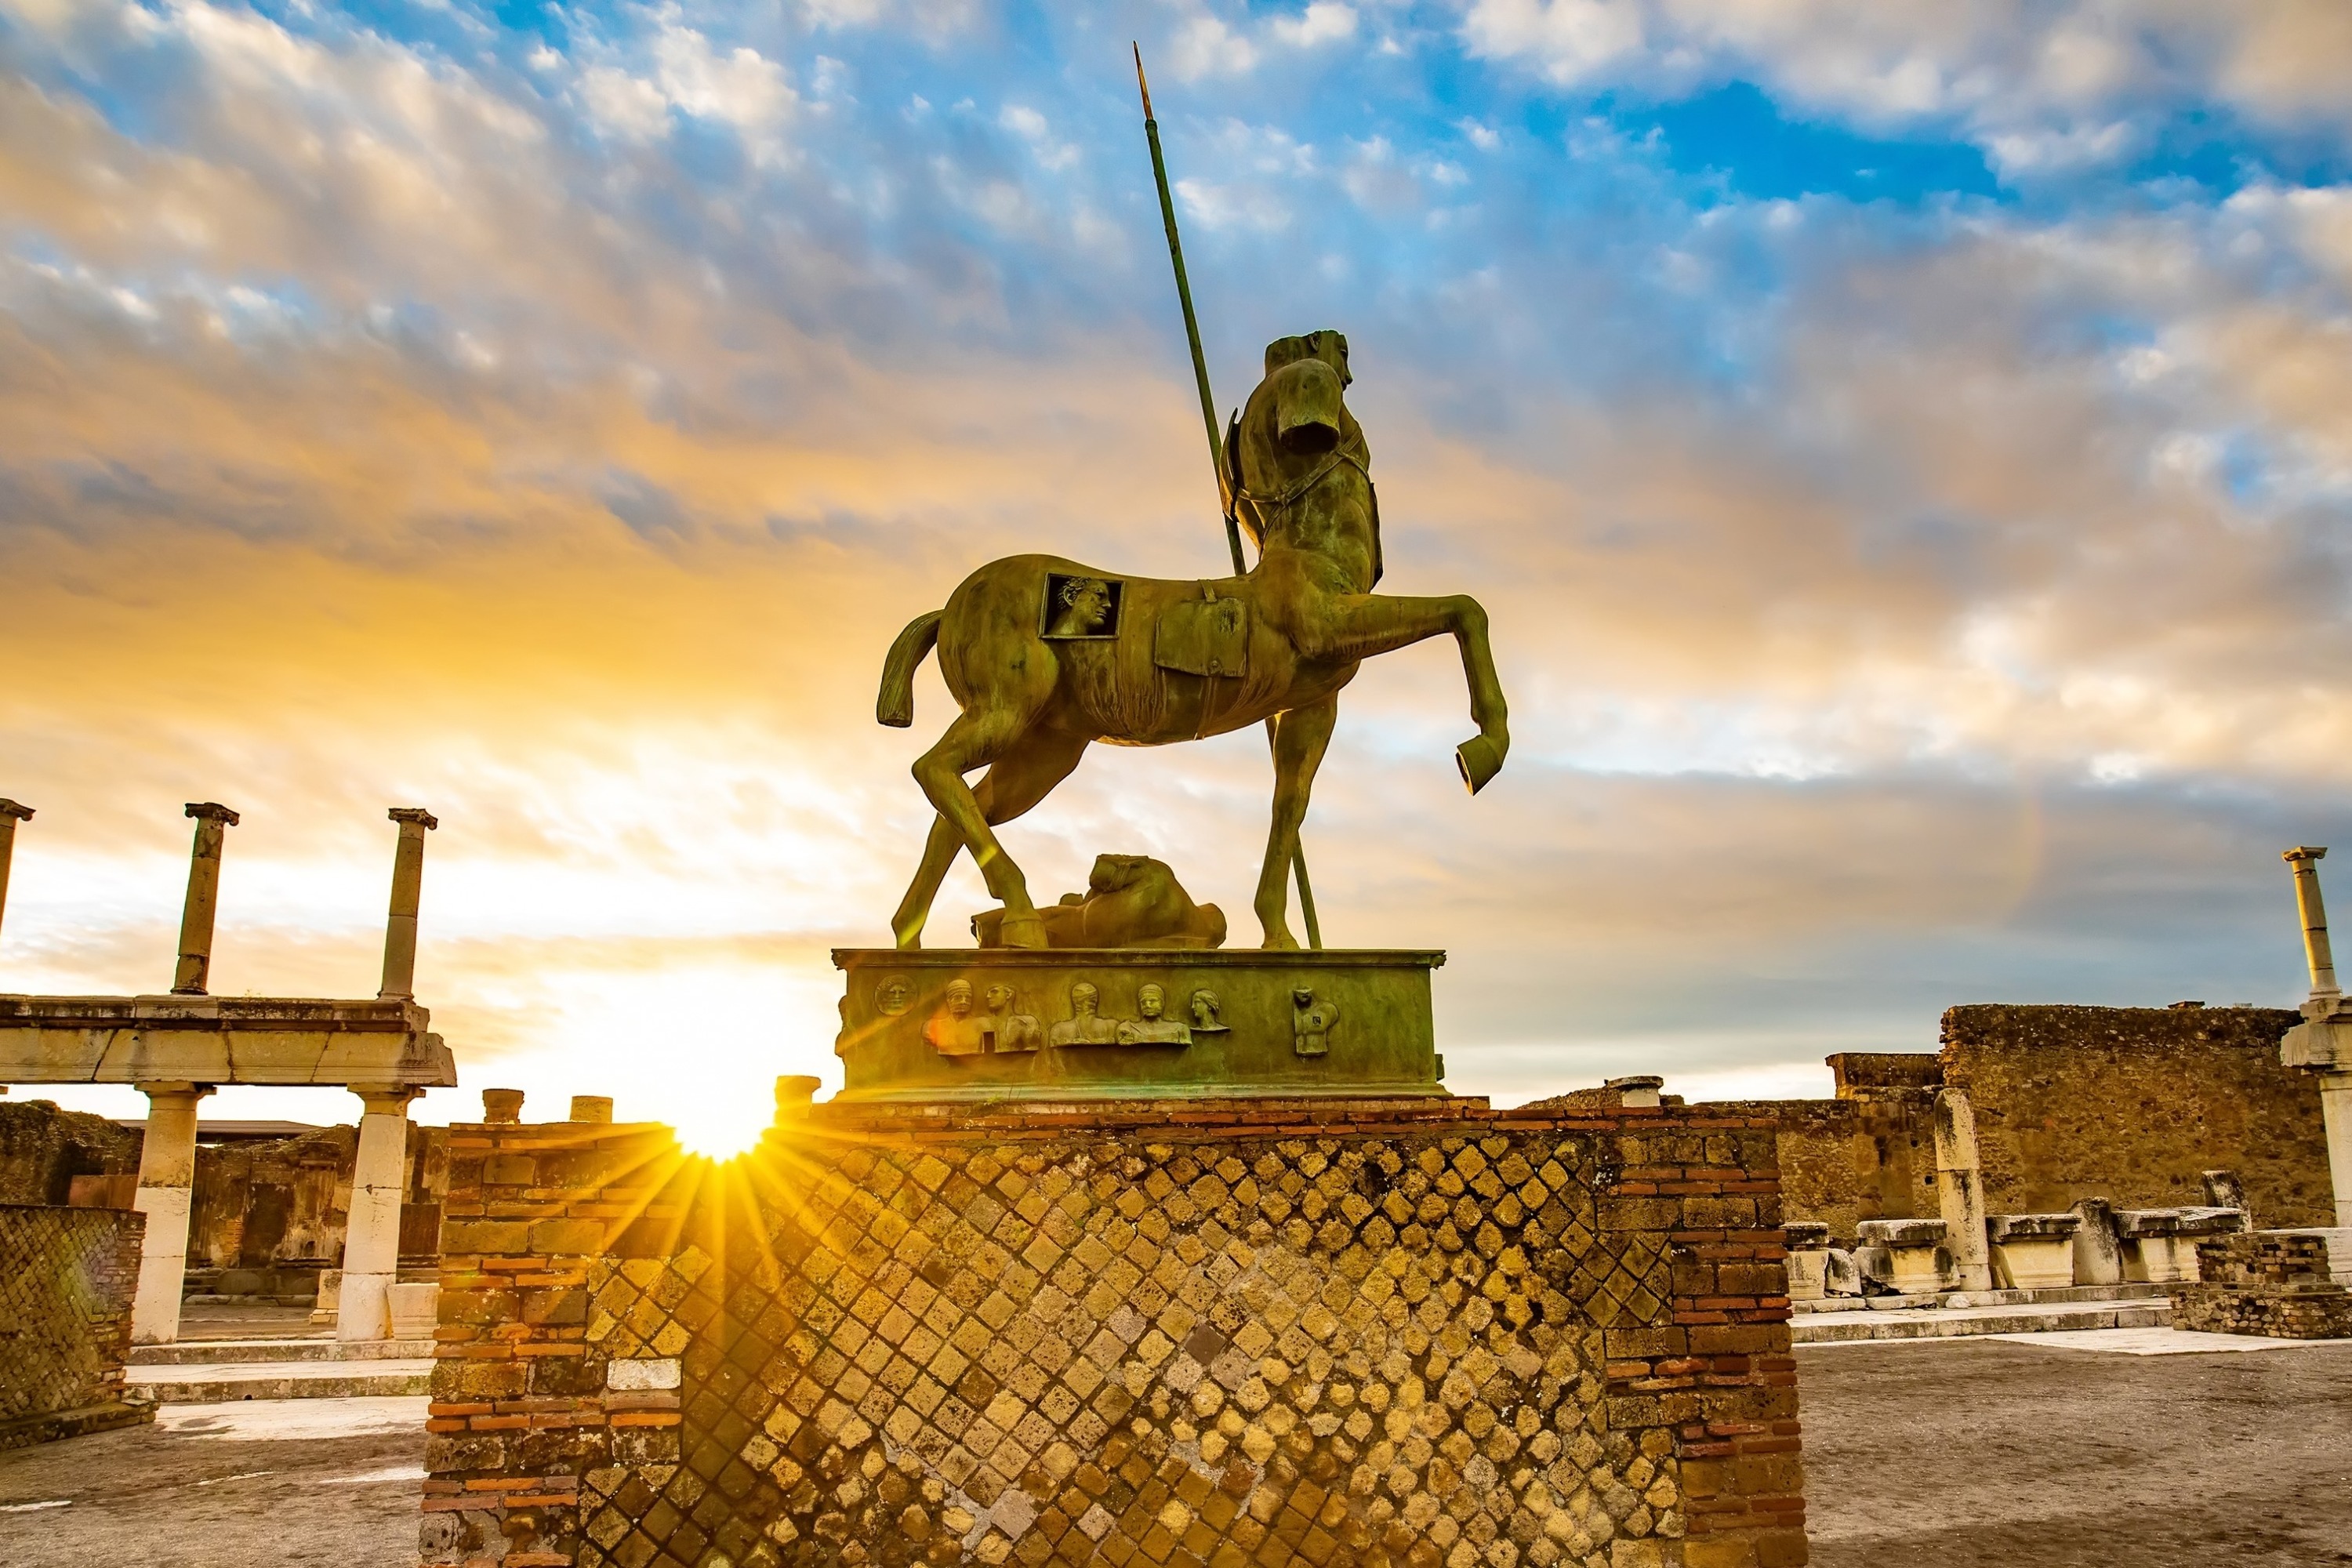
(1311, 1022)
(1154, 1028)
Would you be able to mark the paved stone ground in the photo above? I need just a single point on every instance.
(326, 1482)
(1963, 1453)
(1997, 1454)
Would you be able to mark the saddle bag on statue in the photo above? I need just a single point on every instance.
(1204, 636)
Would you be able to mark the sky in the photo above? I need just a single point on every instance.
(1904, 449)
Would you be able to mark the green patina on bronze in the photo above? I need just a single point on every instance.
(1046, 656)
(1131, 1023)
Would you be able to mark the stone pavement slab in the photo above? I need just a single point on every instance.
(1955, 1322)
(212, 1382)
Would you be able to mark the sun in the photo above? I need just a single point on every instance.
(721, 1125)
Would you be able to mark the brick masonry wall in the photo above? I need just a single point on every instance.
(1262, 1334)
(66, 1280)
(2133, 1104)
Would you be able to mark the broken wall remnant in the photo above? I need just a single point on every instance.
(1371, 1332)
(2265, 1282)
(66, 1281)
(43, 1148)
(2133, 1105)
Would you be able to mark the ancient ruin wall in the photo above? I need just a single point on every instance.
(1845, 1161)
(44, 1148)
(66, 1281)
(2134, 1103)
(1283, 1333)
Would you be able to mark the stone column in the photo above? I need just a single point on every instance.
(1959, 1193)
(407, 885)
(372, 1234)
(11, 814)
(167, 1174)
(2321, 1044)
(213, 821)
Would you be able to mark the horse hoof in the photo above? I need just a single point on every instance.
(1023, 931)
(1480, 760)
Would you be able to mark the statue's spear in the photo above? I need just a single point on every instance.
(1209, 422)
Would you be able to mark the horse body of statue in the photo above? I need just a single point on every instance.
(1046, 656)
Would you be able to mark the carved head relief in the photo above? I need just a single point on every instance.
(1151, 1001)
(1081, 606)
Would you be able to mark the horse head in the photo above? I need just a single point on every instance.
(1303, 434)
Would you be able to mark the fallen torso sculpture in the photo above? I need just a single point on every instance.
(1131, 900)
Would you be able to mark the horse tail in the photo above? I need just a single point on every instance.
(895, 704)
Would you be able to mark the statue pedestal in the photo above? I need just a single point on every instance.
(1064, 1024)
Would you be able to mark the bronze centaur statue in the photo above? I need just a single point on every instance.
(1046, 656)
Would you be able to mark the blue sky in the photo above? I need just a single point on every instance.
(1904, 448)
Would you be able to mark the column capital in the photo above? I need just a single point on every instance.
(191, 1091)
(11, 812)
(212, 811)
(391, 1100)
(416, 813)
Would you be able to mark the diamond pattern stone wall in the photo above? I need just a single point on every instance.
(1273, 1335)
(66, 1276)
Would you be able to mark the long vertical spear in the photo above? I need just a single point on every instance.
(1209, 424)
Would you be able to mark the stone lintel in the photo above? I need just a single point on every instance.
(2014, 1227)
(2324, 1044)
(2194, 1221)
(221, 1039)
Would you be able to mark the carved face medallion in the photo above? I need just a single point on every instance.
(894, 996)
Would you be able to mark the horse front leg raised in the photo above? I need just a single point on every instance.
(1360, 626)
(1300, 737)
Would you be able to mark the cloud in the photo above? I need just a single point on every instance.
(2040, 87)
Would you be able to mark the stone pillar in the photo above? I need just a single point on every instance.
(167, 1174)
(2304, 858)
(2335, 1116)
(195, 970)
(372, 1236)
(11, 814)
(591, 1108)
(407, 885)
(2321, 1044)
(2098, 1250)
(1959, 1193)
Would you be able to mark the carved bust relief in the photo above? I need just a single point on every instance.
(1311, 1022)
(1153, 1028)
